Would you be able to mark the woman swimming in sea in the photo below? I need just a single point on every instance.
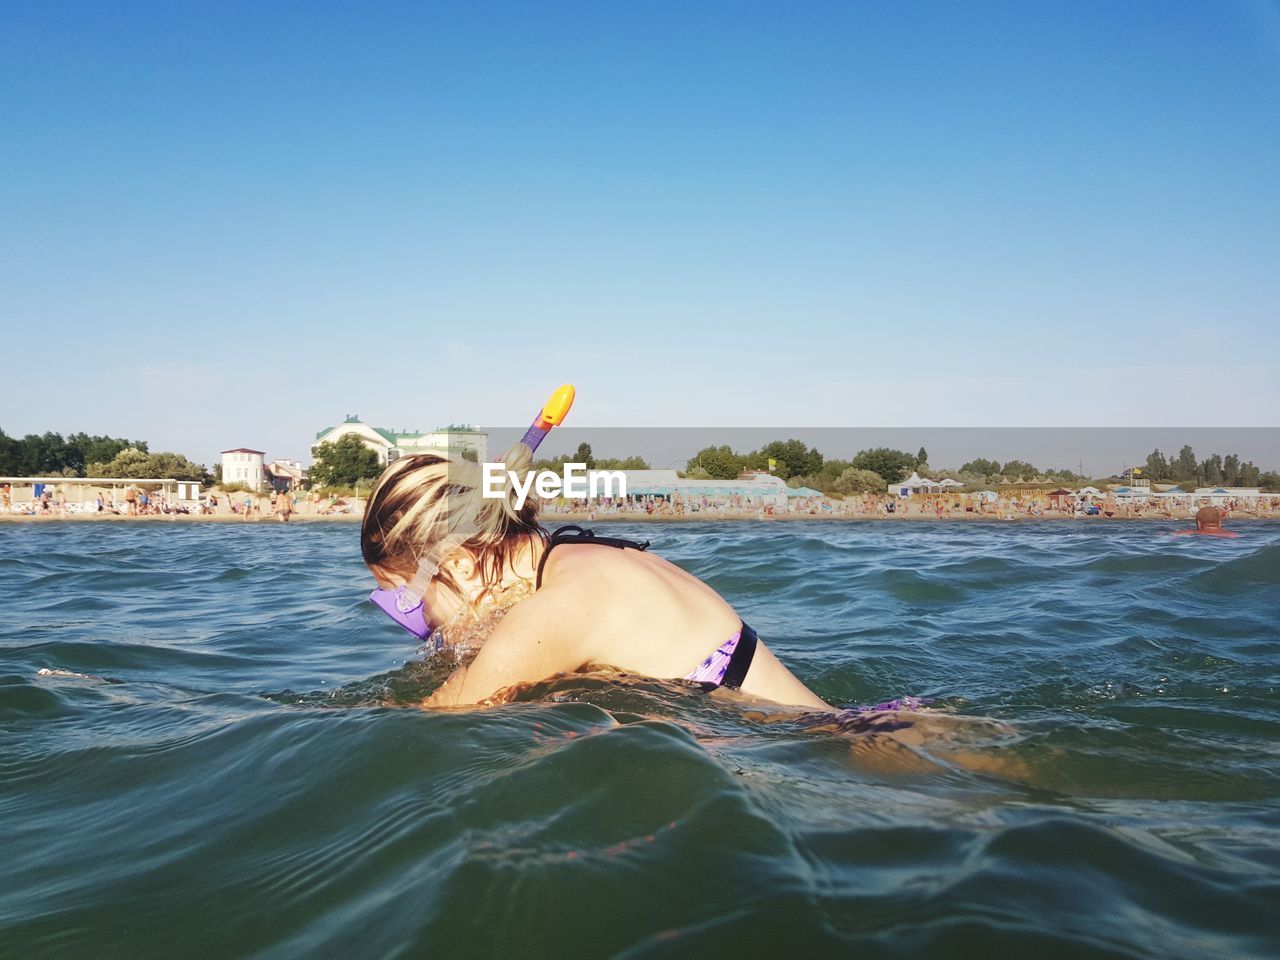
(442, 554)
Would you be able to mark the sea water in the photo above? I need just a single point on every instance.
(208, 749)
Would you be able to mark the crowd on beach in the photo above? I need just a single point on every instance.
(51, 502)
(1011, 506)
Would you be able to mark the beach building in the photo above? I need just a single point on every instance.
(1132, 493)
(285, 475)
(243, 465)
(1219, 495)
(1061, 499)
(187, 493)
(668, 484)
(456, 439)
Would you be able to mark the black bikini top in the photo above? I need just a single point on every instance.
(572, 533)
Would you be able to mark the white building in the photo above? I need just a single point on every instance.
(243, 465)
(455, 439)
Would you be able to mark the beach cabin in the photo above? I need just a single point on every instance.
(1061, 499)
(187, 494)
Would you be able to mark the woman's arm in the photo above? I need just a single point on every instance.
(528, 645)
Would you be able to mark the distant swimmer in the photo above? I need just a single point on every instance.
(1209, 523)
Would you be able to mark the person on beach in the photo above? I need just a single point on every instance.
(284, 507)
(444, 554)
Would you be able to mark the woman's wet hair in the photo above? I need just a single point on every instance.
(426, 506)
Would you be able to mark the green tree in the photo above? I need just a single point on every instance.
(854, 480)
(127, 463)
(1157, 466)
(344, 462)
(982, 467)
(1231, 470)
(583, 455)
(138, 464)
(827, 476)
(168, 464)
(792, 456)
(622, 463)
(922, 458)
(1019, 470)
(43, 454)
(892, 465)
(10, 450)
(721, 463)
(1211, 471)
(1185, 467)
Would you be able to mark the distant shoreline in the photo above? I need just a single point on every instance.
(554, 520)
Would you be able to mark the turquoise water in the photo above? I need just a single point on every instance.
(1098, 775)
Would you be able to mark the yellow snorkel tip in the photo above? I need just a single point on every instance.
(557, 408)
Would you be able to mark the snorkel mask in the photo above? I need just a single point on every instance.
(404, 608)
(404, 603)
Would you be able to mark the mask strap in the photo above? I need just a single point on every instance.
(429, 566)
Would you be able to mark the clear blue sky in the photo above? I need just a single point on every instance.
(231, 224)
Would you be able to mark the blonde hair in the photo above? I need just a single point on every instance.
(425, 506)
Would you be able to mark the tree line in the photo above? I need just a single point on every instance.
(82, 455)
(1212, 471)
(349, 461)
(867, 471)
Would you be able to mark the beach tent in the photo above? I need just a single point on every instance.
(948, 482)
(1089, 492)
(914, 484)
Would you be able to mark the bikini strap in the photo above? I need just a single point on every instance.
(572, 533)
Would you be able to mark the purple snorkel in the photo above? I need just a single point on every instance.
(404, 603)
